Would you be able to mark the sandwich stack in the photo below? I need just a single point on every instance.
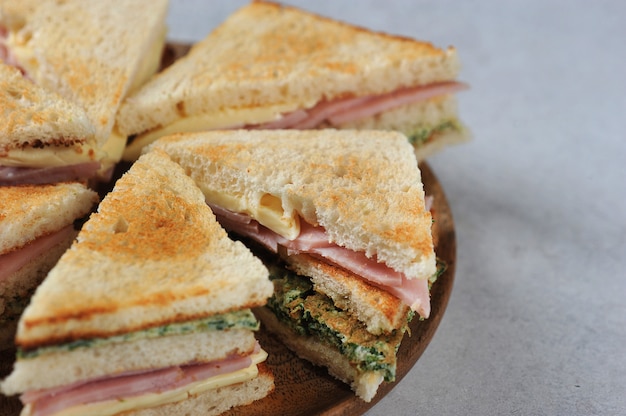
(36, 221)
(36, 227)
(147, 312)
(270, 66)
(92, 53)
(346, 211)
(298, 134)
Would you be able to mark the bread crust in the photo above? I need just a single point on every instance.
(296, 59)
(34, 117)
(217, 401)
(363, 187)
(66, 367)
(77, 53)
(364, 384)
(21, 284)
(28, 212)
(151, 255)
(380, 311)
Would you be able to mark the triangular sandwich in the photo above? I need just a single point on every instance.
(149, 308)
(93, 53)
(43, 137)
(345, 210)
(36, 227)
(275, 66)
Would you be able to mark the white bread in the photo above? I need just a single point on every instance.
(217, 401)
(363, 187)
(151, 255)
(13, 13)
(365, 384)
(31, 211)
(32, 116)
(379, 311)
(267, 54)
(421, 122)
(66, 367)
(90, 52)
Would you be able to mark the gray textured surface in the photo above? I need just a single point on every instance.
(537, 321)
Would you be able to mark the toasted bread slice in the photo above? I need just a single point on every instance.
(18, 285)
(362, 187)
(364, 383)
(380, 311)
(67, 366)
(28, 212)
(217, 401)
(153, 254)
(36, 118)
(35, 230)
(267, 60)
(92, 54)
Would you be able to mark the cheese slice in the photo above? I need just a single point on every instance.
(50, 156)
(267, 210)
(222, 119)
(113, 407)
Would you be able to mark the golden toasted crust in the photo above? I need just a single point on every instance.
(268, 54)
(90, 52)
(364, 384)
(151, 255)
(363, 187)
(380, 311)
(33, 117)
(31, 211)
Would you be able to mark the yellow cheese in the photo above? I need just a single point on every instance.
(113, 407)
(267, 210)
(223, 119)
(50, 156)
(270, 213)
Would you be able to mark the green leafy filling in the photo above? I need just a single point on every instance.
(422, 135)
(310, 313)
(244, 319)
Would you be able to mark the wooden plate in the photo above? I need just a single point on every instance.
(302, 388)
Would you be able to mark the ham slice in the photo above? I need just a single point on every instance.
(344, 110)
(49, 401)
(314, 241)
(14, 260)
(324, 110)
(286, 120)
(10, 176)
(386, 102)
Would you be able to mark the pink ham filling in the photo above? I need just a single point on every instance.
(314, 241)
(10, 176)
(49, 401)
(14, 260)
(345, 110)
